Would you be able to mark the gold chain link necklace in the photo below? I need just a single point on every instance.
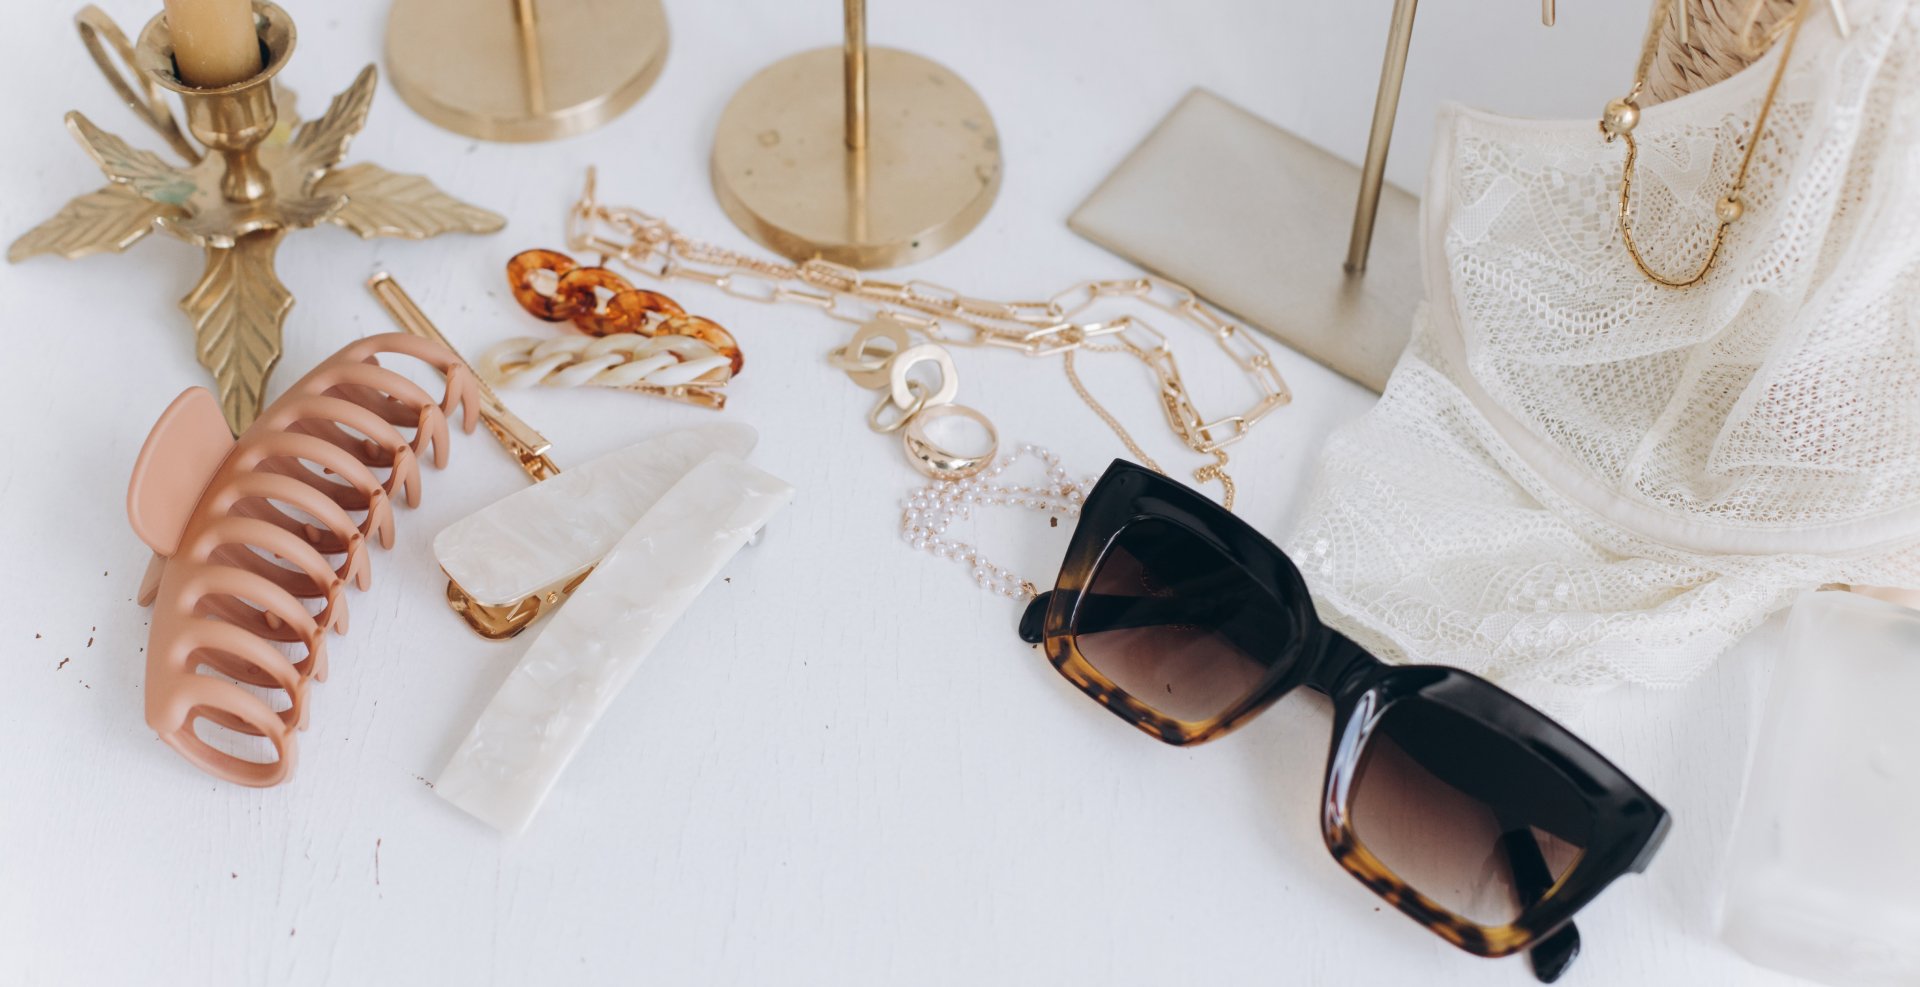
(1622, 115)
(649, 245)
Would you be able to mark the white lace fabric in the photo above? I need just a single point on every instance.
(1578, 478)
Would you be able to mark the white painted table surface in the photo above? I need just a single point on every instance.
(842, 767)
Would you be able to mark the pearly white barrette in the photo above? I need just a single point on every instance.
(570, 675)
(536, 540)
(630, 538)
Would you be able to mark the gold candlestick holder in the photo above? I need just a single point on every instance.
(255, 174)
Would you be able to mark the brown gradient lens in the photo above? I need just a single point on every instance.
(1177, 624)
(1446, 804)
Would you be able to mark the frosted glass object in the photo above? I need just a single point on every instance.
(545, 534)
(1826, 848)
(571, 673)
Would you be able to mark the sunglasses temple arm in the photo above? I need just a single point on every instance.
(1553, 955)
(1033, 620)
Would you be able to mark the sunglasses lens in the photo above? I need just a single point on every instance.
(1463, 815)
(1177, 624)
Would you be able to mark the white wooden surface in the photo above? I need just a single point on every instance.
(842, 767)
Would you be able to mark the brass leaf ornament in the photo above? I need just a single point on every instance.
(322, 143)
(384, 203)
(243, 187)
(237, 309)
(106, 220)
(142, 171)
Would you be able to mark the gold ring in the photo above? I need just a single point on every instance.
(938, 463)
(907, 412)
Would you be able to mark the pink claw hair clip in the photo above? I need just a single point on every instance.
(245, 534)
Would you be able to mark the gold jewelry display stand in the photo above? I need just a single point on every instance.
(868, 158)
(524, 70)
(1249, 216)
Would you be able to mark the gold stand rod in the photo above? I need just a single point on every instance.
(1374, 170)
(526, 445)
(856, 14)
(529, 30)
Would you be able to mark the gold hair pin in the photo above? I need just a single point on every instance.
(527, 446)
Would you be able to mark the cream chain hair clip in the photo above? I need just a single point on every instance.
(672, 366)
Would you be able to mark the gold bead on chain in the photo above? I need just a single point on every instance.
(1622, 115)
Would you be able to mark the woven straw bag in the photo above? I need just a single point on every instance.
(1714, 50)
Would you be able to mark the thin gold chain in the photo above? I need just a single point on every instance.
(649, 245)
(1214, 472)
(1730, 207)
(1633, 249)
(1126, 438)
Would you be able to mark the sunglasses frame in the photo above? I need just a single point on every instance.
(1628, 825)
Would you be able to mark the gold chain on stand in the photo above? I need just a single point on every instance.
(1035, 328)
(1622, 115)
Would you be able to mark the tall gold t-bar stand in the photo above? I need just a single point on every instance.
(869, 157)
(524, 70)
(1251, 216)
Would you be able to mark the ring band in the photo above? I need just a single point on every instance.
(941, 464)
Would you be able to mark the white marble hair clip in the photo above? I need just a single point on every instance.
(571, 673)
(546, 535)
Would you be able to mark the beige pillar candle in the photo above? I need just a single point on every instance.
(214, 42)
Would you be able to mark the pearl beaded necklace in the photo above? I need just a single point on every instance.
(932, 509)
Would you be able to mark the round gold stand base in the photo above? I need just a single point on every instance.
(464, 65)
(783, 173)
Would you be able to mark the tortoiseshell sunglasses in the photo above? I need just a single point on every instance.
(1467, 809)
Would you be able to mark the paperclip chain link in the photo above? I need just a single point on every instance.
(648, 244)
